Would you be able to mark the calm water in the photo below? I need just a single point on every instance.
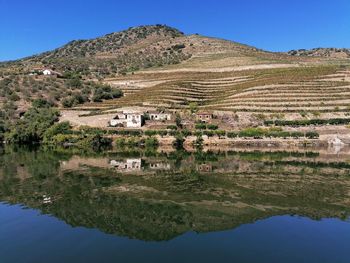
(152, 206)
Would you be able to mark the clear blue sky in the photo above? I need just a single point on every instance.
(32, 26)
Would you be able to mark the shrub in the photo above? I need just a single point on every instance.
(178, 120)
(232, 134)
(133, 142)
(120, 142)
(208, 133)
(312, 135)
(41, 103)
(2, 131)
(198, 133)
(93, 140)
(163, 133)
(106, 92)
(172, 127)
(91, 130)
(62, 128)
(151, 142)
(212, 127)
(63, 139)
(296, 123)
(31, 128)
(68, 102)
(179, 141)
(252, 132)
(296, 134)
(150, 132)
(186, 133)
(193, 107)
(125, 132)
(200, 126)
(220, 133)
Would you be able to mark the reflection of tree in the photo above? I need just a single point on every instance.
(176, 201)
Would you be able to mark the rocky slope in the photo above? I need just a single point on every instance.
(340, 53)
(134, 49)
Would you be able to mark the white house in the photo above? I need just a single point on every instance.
(160, 116)
(47, 72)
(127, 119)
(134, 120)
(119, 120)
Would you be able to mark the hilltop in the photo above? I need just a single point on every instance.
(143, 47)
(340, 53)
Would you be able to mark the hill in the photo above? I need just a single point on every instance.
(340, 53)
(143, 47)
(159, 66)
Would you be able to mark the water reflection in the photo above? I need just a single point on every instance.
(152, 195)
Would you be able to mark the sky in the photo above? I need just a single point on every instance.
(29, 27)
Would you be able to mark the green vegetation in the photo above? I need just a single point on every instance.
(106, 92)
(151, 142)
(178, 121)
(193, 106)
(259, 133)
(33, 125)
(68, 91)
(200, 126)
(296, 123)
(2, 131)
(40, 125)
(179, 141)
(203, 126)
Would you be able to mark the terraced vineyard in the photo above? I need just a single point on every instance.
(288, 90)
(160, 66)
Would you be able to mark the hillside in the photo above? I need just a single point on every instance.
(340, 53)
(142, 48)
(159, 66)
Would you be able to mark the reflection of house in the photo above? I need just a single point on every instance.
(159, 166)
(204, 168)
(160, 116)
(127, 165)
(204, 116)
(127, 119)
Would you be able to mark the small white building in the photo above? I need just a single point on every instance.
(127, 119)
(160, 116)
(119, 120)
(134, 120)
(47, 72)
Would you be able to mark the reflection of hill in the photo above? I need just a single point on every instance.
(165, 204)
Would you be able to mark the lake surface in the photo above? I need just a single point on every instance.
(174, 206)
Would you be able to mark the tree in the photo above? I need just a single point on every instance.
(31, 128)
(57, 128)
(193, 107)
(178, 120)
(75, 83)
(2, 130)
(41, 103)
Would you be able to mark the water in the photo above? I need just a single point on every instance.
(149, 206)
